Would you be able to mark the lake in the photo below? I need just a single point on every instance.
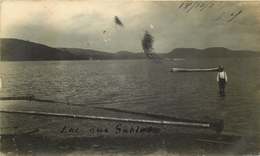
(146, 86)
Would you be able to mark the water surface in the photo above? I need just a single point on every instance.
(146, 86)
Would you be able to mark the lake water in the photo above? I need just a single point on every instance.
(146, 86)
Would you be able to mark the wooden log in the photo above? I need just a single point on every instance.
(29, 97)
(194, 70)
(214, 126)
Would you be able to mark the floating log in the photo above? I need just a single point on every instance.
(194, 70)
(18, 132)
(152, 115)
(217, 126)
(1, 83)
(29, 97)
(215, 141)
(32, 98)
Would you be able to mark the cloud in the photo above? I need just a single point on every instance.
(81, 24)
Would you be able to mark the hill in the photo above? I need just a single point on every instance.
(129, 55)
(213, 52)
(99, 55)
(87, 54)
(20, 50)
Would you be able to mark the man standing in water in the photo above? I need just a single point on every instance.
(222, 80)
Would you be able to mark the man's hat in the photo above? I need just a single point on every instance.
(221, 68)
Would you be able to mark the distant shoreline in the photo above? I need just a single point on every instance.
(20, 50)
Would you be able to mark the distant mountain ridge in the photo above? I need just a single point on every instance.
(20, 50)
(89, 54)
(15, 49)
(212, 52)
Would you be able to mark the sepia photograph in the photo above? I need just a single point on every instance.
(129, 78)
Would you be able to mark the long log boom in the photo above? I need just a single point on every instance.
(217, 126)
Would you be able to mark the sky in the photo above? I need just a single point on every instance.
(90, 24)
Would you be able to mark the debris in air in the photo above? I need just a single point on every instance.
(118, 22)
(147, 44)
